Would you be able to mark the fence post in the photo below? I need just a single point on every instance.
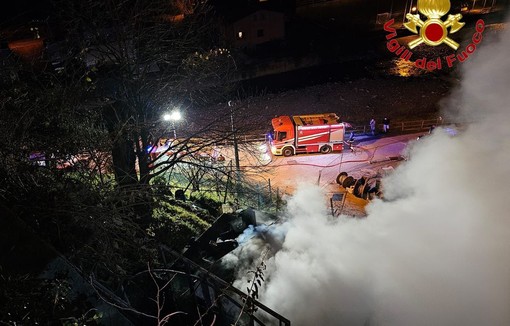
(277, 199)
(270, 193)
(259, 198)
(228, 181)
(402, 125)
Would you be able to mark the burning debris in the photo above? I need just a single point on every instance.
(365, 187)
(206, 281)
(220, 238)
(227, 233)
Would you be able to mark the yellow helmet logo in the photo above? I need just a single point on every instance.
(433, 31)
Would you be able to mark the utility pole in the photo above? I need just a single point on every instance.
(236, 147)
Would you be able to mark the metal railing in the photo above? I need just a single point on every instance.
(245, 304)
(412, 125)
(417, 125)
(246, 138)
(253, 138)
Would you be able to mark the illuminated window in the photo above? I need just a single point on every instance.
(239, 35)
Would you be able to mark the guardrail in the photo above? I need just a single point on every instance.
(412, 125)
(246, 138)
(252, 138)
(417, 124)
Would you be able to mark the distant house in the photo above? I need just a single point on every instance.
(257, 27)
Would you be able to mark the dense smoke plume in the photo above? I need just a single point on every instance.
(436, 253)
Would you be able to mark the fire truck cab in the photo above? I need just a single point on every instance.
(312, 133)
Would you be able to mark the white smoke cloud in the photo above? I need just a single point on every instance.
(436, 253)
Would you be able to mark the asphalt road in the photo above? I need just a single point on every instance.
(371, 157)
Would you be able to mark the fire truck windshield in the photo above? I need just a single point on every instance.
(281, 135)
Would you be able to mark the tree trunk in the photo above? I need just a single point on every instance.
(124, 160)
(143, 158)
(125, 150)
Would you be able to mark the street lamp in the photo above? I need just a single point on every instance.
(173, 116)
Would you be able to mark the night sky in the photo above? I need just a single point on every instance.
(19, 11)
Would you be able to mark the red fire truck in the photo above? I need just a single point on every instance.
(311, 133)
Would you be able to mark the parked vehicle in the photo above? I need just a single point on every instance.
(313, 133)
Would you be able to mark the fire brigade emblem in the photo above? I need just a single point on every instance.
(433, 31)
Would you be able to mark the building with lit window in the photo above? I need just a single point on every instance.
(250, 29)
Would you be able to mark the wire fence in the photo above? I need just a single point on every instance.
(224, 184)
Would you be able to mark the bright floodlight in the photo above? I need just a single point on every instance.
(173, 116)
(176, 115)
